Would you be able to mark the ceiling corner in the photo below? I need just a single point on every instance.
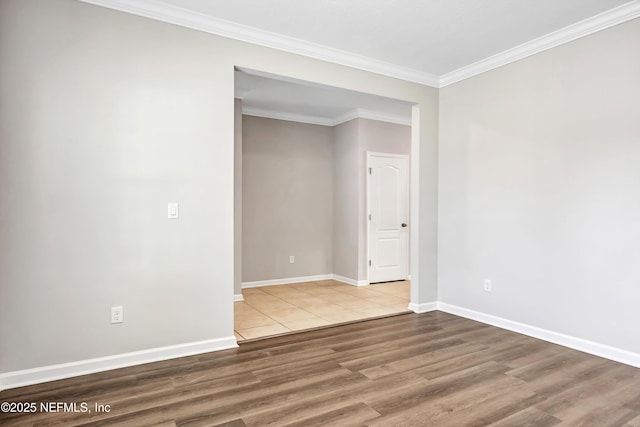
(599, 22)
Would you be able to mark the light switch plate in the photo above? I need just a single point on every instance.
(173, 211)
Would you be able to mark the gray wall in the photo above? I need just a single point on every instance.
(237, 198)
(287, 199)
(539, 189)
(106, 117)
(346, 187)
(305, 195)
(383, 137)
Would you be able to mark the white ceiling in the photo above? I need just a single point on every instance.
(431, 36)
(433, 42)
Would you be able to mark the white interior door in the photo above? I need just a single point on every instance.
(388, 190)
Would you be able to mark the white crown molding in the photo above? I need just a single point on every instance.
(83, 367)
(346, 117)
(160, 11)
(618, 15)
(186, 18)
(602, 350)
(291, 117)
(358, 113)
(383, 117)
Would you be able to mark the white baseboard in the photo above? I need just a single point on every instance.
(423, 308)
(291, 280)
(66, 370)
(349, 281)
(303, 279)
(286, 281)
(238, 297)
(602, 350)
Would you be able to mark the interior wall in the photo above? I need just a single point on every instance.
(287, 199)
(346, 187)
(106, 117)
(539, 190)
(385, 137)
(237, 197)
(279, 198)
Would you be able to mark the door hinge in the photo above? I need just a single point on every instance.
(369, 171)
(369, 217)
(369, 263)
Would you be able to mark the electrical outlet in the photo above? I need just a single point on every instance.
(487, 285)
(117, 314)
(292, 259)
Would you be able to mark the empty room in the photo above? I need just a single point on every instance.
(170, 168)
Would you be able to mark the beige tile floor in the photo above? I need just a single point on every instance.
(272, 310)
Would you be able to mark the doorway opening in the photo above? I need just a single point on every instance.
(301, 242)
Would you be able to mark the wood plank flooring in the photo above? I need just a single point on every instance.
(430, 369)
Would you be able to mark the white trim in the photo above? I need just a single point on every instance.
(357, 113)
(602, 350)
(82, 367)
(395, 156)
(238, 297)
(360, 113)
(423, 308)
(26, 377)
(291, 280)
(596, 23)
(209, 24)
(414, 202)
(187, 18)
(241, 94)
(349, 281)
(291, 117)
(286, 281)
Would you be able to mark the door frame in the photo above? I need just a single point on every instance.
(371, 154)
(423, 162)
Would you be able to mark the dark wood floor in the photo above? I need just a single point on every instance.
(430, 369)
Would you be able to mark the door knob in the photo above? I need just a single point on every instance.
(404, 225)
